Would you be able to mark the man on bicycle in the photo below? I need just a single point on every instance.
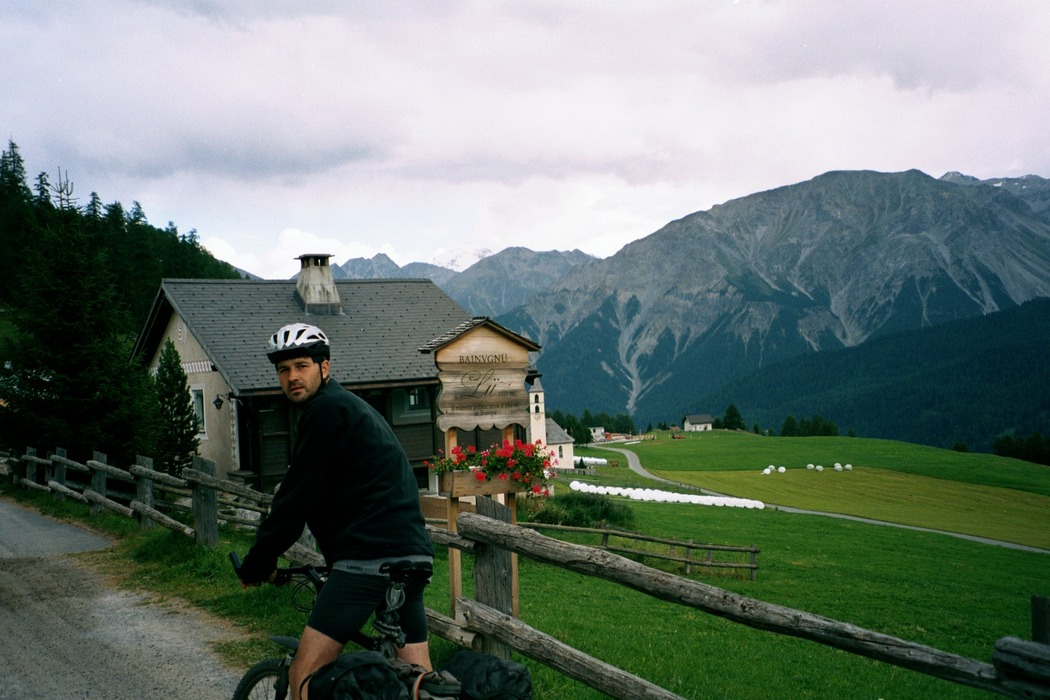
(351, 483)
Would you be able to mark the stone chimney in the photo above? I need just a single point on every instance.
(315, 287)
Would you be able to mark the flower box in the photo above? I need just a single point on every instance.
(465, 483)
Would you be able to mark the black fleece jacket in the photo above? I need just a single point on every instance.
(350, 481)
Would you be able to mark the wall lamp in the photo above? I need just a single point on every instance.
(219, 399)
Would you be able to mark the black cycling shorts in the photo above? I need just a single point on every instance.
(348, 600)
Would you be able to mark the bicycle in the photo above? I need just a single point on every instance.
(268, 679)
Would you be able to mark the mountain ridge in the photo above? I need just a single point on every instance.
(826, 264)
(818, 265)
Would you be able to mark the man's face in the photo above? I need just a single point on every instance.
(301, 377)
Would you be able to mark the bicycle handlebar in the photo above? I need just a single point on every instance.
(284, 575)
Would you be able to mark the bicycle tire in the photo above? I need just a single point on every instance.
(260, 681)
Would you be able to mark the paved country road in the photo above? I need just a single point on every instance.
(65, 633)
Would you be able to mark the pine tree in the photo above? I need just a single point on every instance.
(732, 419)
(13, 174)
(178, 440)
(43, 190)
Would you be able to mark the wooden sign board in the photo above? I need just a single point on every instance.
(482, 375)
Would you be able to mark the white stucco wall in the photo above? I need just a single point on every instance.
(217, 442)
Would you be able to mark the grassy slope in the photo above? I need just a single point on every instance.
(733, 451)
(975, 494)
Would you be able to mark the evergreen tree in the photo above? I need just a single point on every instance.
(13, 174)
(732, 419)
(93, 210)
(43, 190)
(178, 440)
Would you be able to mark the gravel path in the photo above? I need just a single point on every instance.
(65, 633)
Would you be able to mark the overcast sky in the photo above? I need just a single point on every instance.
(421, 129)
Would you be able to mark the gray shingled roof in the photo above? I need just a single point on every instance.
(470, 324)
(556, 435)
(375, 341)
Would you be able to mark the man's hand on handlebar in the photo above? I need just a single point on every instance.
(270, 579)
(235, 559)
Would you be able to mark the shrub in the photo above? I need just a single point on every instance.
(580, 510)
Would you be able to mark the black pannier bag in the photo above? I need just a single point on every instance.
(360, 675)
(485, 677)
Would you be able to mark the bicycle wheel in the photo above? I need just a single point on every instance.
(266, 680)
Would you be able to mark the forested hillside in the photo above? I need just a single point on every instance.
(966, 381)
(135, 255)
(77, 278)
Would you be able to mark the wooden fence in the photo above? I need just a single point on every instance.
(1020, 668)
(684, 553)
(687, 553)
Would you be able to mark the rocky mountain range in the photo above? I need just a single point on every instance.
(820, 265)
(490, 287)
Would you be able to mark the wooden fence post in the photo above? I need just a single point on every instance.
(1041, 619)
(144, 491)
(15, 467)
(98, 482)
(493, 575)
(29, 468)
(205, 505)
(58, 469)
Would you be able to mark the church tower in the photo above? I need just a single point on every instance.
(537, 414)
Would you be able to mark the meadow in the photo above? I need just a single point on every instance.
(942, 591)
(976, 494)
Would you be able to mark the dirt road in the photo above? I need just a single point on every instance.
(65, 634)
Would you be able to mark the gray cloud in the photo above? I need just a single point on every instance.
(583, 124)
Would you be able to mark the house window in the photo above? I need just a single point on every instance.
(197, 396)
(418, 399)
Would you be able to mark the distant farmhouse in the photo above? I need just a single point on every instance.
(697, 423)
(376, 327)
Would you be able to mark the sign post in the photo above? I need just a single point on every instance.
(482, 368)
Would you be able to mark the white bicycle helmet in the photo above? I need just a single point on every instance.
(298, 340)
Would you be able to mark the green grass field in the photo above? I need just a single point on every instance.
(974, 494)
(733, 451)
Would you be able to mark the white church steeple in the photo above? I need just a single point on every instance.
(537, 414)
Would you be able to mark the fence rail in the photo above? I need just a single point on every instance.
(687, 547)
(1019, 668)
